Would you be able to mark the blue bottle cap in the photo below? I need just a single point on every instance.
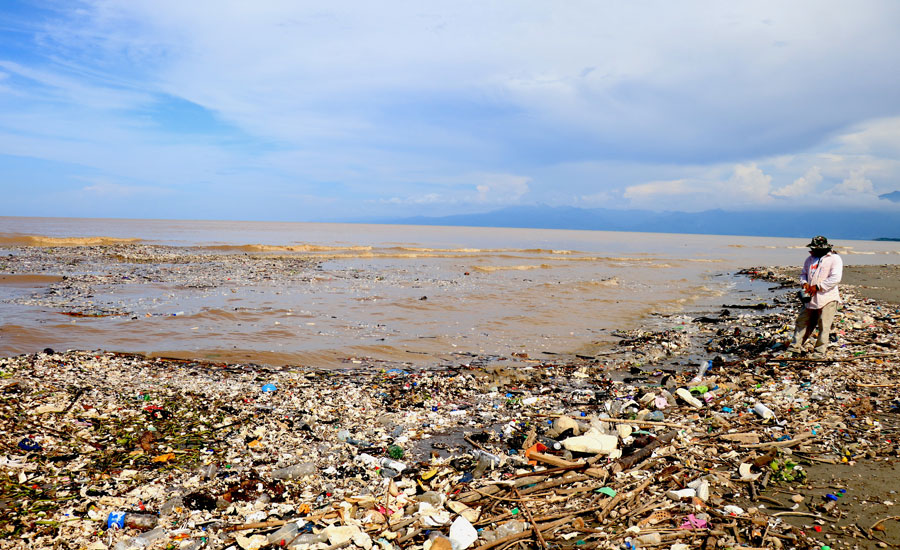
(115, 520)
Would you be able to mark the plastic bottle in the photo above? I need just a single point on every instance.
(142, 522)
(296, 471)
(209, 471)
(285, 534)
(367, 459)
(551, 444)
(170, 505)
(510, 528)
(764, 412)
(478, 453)
(649, 539)
(344, 435)
(483, 463)
(431, 497)
(701, 372)
(141, 541)
(392, 464)
(309, 538)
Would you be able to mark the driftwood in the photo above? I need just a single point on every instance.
(630, 421)
(257, 525)
(780, 444)
(527, 532)
(534, 525)
(641, 454)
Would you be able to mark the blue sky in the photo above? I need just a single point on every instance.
(290, 110)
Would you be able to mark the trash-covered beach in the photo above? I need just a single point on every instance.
(692, 434)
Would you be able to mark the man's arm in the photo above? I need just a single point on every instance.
(835, 273)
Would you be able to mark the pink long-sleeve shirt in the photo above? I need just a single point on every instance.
(825, 273)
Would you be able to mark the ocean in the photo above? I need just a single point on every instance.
(330, 294)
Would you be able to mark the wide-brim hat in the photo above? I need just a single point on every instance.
(819, 242)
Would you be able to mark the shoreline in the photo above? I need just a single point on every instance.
(90, 415)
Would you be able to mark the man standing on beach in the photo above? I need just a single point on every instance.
(821, 274)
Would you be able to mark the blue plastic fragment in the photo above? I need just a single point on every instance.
(28, 444)
(269, 388)
(829, 496)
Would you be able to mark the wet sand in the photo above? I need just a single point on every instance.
(876, 282)
(28, 281)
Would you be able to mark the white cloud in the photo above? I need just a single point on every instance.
(472, 190)
(747, 187)
(656, 189)
(109, 189)
(502, 188)
(750, 183)
(802, 186)
(855, 184)
(879, 137)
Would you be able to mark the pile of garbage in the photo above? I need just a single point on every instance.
(673, 440)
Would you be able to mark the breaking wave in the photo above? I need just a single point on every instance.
(17, 239)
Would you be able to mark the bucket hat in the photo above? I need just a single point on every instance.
(819, 242)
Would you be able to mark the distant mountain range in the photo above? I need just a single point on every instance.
(838, 224)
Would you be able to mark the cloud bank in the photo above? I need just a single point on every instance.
(288, 110)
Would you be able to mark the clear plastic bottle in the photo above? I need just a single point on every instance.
(141, 522)
(285, 534)
(309, 538)
(431, 497)
(141, 541)
(171, 505)
(510, 528)
(296, 471)
(392, 464)
(209, 471)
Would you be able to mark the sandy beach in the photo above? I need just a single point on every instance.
(876, 282)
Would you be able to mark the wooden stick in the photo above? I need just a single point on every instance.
(534, 526)
(879, 522)
(801, 514)
(554, 460)
(555, 483)
(525, 533)
(780, 444)
(629, 421)
(629, 461)
(474, 443)
(257, 525)
(505, 498)
(608, 506)
(551, 471)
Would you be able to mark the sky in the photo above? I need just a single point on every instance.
(327, 111)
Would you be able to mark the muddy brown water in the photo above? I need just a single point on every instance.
(234, 291)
